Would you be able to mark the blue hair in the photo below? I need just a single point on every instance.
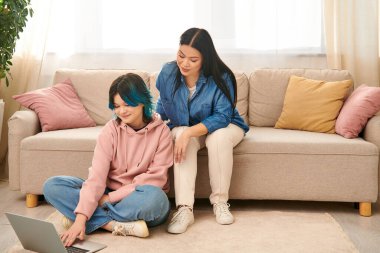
(133, 90)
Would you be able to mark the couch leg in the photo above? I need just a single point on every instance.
(365, 209)
(31, 200)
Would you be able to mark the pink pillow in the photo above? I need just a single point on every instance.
(361, 105)
(57, 107)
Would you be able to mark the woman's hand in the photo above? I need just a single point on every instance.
(105, 198)
(77, 230)
(180, 146)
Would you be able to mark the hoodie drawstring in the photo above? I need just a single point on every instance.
(142, 154)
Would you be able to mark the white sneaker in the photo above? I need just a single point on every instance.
(133, 228)
(66, 222)
(223, 214)
(183, 218)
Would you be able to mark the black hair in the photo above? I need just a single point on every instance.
(133, 90)
(212, 65)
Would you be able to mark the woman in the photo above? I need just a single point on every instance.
(198, 97)
(125, 189)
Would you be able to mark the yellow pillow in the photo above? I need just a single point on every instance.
(312, 105)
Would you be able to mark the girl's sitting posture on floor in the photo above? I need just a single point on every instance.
(125, 189)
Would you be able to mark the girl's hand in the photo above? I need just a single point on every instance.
(105, 198)
(77, 230)
(180, 147)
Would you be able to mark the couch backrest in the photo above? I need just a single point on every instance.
(268, 87)
(260, 98)
(92, 87)
(242, 94)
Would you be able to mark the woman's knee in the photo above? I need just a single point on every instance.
(147, 202)
(195, 143)
(152, 192)
(218, 137)
(154, 197)
(53, 185)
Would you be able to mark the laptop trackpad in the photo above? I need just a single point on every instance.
(89, 245)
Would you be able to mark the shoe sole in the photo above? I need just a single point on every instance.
(225, 222)
(180, 232)
(145, 229)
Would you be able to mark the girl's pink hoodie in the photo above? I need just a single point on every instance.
(125, 158)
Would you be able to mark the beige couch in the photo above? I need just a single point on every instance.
(268, 164)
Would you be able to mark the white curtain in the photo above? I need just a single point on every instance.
(352, 38)
(26, 69)
(144, 34)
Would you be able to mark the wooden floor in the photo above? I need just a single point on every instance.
(363, 231)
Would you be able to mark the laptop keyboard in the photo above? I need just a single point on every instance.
(75, 250)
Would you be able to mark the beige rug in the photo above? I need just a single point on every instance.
(253, 231)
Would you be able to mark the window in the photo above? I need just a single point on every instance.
(144, 34)
(294, 25)
(258, 25)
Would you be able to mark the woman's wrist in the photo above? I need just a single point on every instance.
(105, 198)
(195, 131)
(81, 218)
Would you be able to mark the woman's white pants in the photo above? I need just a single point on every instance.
(220, 146)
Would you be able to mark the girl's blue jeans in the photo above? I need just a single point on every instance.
(147, 202)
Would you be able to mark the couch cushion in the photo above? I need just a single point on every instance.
(152, 84)
(268, 87)
(92, 87)
(312, 105)
(57, 107)
(268, 140)
(242, 94)
(363, 104)
(79, 139)
(259, 140)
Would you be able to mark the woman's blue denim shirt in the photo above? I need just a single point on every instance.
(208, 104)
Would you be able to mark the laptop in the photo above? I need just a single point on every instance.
(41, 236)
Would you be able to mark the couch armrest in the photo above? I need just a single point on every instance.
(372, 131)
(21, 125)
(372, 134)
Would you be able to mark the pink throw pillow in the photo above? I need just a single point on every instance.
(360, 106)
(57, 107)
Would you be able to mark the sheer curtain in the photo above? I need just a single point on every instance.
(352, 38)
(144, 34)
(27, 62)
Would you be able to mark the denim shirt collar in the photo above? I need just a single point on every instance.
(201, 80)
